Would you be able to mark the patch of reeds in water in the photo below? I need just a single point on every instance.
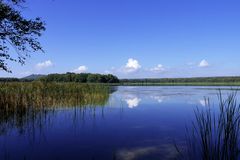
(38, 94)
(24, 103)
(215, 133)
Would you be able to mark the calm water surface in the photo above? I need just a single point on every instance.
(135, 123)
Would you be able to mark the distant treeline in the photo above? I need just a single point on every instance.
(184, 80)
(82, 78)
(109, 78)
(9, 80)
(68, 77)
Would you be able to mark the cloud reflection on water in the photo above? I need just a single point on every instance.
(204, 102)
(158, 98)
(164, 151)
(133, 102)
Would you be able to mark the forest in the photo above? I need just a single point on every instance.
(67, 77)
(81, 78)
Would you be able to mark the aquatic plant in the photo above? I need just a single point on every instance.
(22, 103)
(40, 94)
(214, 135)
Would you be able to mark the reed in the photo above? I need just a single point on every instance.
(214, 134)
(24, 103)
(39, 94)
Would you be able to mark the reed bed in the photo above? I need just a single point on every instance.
(25, 103)
(39, 94)
(214, 134)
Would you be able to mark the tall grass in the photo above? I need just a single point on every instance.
(214, 134)
(39, 94)
(24, 103)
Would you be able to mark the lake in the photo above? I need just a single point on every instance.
(135, 122)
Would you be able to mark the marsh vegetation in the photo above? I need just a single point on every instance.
(21, 103)
(39, 94)
(215, 133)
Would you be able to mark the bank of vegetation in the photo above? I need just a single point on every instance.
(67, 77)
(113, 80)
(201, 81)
(81, 78)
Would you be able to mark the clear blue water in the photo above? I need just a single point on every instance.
(136, 123)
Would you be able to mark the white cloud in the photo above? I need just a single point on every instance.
(203, 63)
(132, 65)
(45, 64)
(158, 68)
(107, 72)
(133, 102)
(80, 69)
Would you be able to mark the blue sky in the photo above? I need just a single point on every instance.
(136, 38)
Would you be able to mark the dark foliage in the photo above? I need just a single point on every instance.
(68, 77)
(17, 33)
(9, 80)
(81, 78)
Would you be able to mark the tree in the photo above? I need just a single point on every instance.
(93, 78)
(17, 33)
(81, 78)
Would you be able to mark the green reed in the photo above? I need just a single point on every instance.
(24, 103)
(39, 94)
(214, 135)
